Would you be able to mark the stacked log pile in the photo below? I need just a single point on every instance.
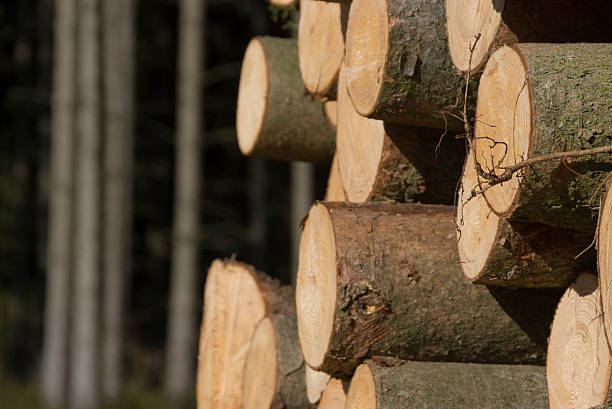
(451, 262)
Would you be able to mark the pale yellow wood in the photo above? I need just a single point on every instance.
(604, 257)
(578, 360)
(335, 190)
(316, 382)
(260, 368)
(333, 396)
(362, 392)
(316, 285)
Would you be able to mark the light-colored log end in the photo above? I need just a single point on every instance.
(464, 20)
(604, 257)
(333, 396)
(362, 392)
(504, 123)
(260, 368)
(316, 285)
(320, 44)
(233, 306)
(252, 96)
(578, 360)
(316, 381)
(367, 44)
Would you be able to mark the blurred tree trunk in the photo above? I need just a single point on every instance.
(84, 377)
(258, 229)
(118, 37)
(55, 338)
(182, 320)
(302, 197)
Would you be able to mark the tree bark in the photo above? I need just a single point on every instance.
(502, 22)
(274, 369)
(321, 33)
(84, 371)
(181, 333)
(380, 161)
(398, 291)
(236, 299)
(578, 349)
(55, 339)
(118, 31)
(397, 63)
(442, 385)
(558, 101)
(275, 119)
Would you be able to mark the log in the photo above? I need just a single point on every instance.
(502, 22)
(539, 99)
(330, 108)
(384, 279)
(316, 382)
(274, 369)
(321, 45)
(397, 61)
(500, 252)
(578, 364)
(335, 190)
(333, 396)
(236, 299)
(604, 256)
(378, 161)
(420, 385)
(275, 119)
(282, 3)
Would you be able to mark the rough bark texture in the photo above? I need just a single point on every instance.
(537, 256)
(412, 170)
(290, 381)
(571, 88)
(179, 373)
(54, 371)
(295, 126)
(457, 385)
(401, 293)
(419, 78)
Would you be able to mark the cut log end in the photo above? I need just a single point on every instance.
(367, 45)
(316, 382)
(578, 359)
(320, 44)
(359, 144)
(316, 285)
(252, 94)
(335, 190)
(604, 257)
(362, 392)
(464, 20)
(503, 128)
(333, 396)
(282, 3)
(477, 225)
(233, 306)
(260, 369)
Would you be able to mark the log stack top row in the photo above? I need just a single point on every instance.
(440, 271)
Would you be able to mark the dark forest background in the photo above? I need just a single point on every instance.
(227, 212)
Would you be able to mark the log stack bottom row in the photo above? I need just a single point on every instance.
(424, 279)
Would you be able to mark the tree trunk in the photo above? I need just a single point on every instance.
(446, 385)
(498, 252)
(118, 31)
(397, 62)
(388, 283)
(333, 396)
(538, 99)
(379, 161)
(55, 339)
(321, 45)
(181, 329)
(236, 299)
(274, 369)
(84, 371)
(275, 119)
(502, 22)
(578, 349)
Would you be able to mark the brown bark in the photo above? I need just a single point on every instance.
(447, 385)
(400, 292)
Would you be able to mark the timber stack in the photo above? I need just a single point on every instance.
(451, 262)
